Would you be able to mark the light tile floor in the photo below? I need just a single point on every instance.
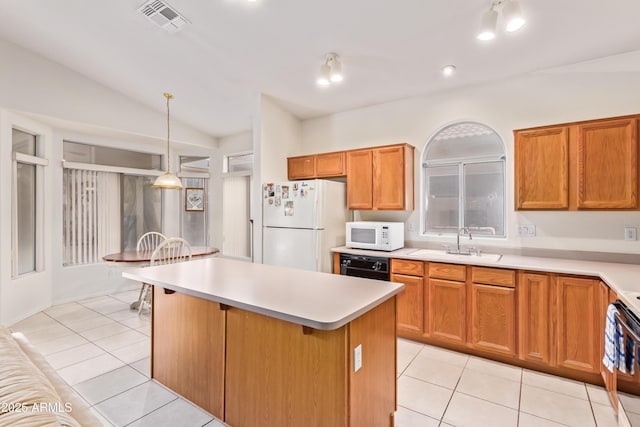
(101, 348)
(438, 387)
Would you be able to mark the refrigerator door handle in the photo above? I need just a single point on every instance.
(318, 255)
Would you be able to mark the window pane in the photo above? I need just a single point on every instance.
(141, 209)
(194, 223)
(26, 197)
(484, 198)
(23, 142)
(242, 162)
(442, 202)
(194, 164)
(106, 156)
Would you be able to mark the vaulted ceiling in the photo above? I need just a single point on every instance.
(233, 49)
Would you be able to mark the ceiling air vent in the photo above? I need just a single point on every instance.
(163, 15)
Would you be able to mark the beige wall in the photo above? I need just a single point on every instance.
(533, 100)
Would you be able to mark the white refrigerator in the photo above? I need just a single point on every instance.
(301, 222)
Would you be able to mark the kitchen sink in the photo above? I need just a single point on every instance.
(439, 254)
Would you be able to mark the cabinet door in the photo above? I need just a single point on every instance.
(534, 334)
(579, 335)
(608, 165)
(493, 318)
(189, 355)
(542, 168)
(303, 167)
(330, 164)
(447, 310)
(360, 179)
(410, 301)
(389, 181)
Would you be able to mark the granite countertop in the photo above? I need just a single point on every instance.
(624, 279)
(308, 298)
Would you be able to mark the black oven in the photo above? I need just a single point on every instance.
(370, 267)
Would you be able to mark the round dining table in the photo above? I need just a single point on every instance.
(143, 258)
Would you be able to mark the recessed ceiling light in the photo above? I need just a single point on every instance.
(448, 70)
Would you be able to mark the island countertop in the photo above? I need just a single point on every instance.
(318, 300)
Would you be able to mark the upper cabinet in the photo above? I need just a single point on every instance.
(327, 165)
(303, 167)
(360, 179)
(380, 178)
(579, 166)
(542, 168)
(608, 164)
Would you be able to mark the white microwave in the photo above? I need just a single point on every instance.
(381, 236)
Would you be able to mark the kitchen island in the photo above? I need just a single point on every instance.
(260, 345)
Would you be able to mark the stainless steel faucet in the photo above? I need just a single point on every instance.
(462, 230)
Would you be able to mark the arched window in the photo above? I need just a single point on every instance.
(463, 169)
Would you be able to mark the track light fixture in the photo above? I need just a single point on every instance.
(511, 14)
(330, 71)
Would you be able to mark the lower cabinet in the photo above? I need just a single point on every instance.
(534, 310)
(410, 309)
(541, 320)
(579, 338)
(447, 302)
(493, 310)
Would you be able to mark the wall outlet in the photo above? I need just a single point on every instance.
(411, 226)
(527, 230)
(630, 233)
(357, 358)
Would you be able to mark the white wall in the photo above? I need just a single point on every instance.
(59, 103)
(277, 135)
(233, 144)
(533, 100)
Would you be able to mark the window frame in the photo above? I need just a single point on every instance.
(460, 163)
(39, 162)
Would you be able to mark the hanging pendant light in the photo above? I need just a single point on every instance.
(168, 180)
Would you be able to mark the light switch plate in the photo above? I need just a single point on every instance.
(357, 358)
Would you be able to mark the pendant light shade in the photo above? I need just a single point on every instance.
(168, 180)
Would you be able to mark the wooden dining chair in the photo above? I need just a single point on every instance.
(172, 250)
(147, 242)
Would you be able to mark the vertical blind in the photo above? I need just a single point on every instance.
(92, 215)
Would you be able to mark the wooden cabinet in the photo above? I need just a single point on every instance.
(327, 165)
(411, 300)
(493, 310)
(303, 167)
(534, 325)
(360, 179)
(542, 168)
(447, 307)
(380, 178)
(579, 337)
(189, 357)
(331, 165)
(583, 165)
(608, 164)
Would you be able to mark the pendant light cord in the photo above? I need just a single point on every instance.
(169, 97)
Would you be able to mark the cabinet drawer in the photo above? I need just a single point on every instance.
(447, 271)
(404, 266)
(493, 276)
